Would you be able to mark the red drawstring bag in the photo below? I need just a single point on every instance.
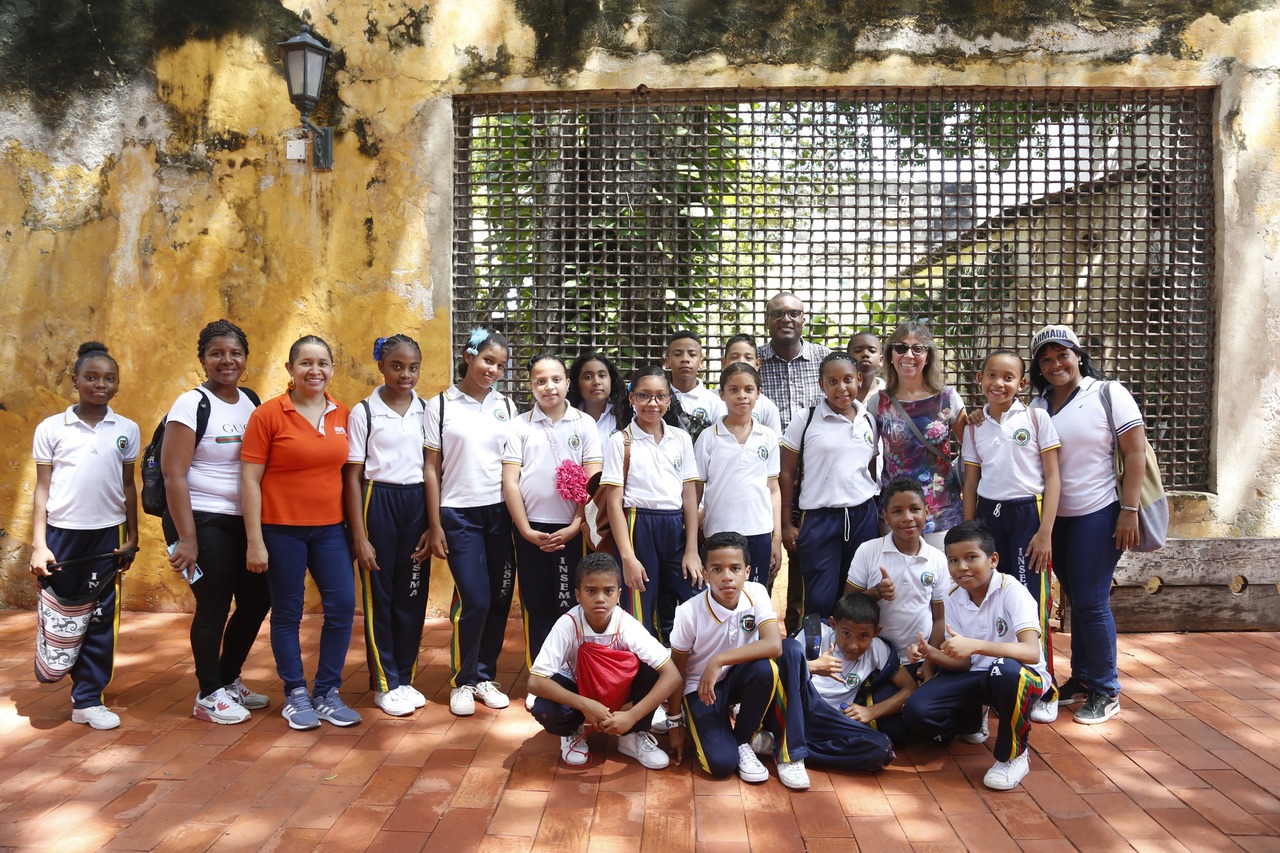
(605, 673)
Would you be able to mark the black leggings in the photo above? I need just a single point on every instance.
(218, 644)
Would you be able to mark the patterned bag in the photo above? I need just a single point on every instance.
(61, 624)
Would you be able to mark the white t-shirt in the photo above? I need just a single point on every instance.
(607, 425)
(844, 690)
(766, 412)
(475, 434)
(538, 447)
(214, 477)
(658, 470)
(1008, 451)
(1007, 609)
(393, 453)
(836, 452)
(700, 403)
(737, 478)
(704, 628)
(86, 486)
(559, 653)
(918, 581)
(1086, 458)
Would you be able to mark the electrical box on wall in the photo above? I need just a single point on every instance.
(295, 149)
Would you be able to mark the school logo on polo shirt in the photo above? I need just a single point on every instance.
(928, 578)
(500, 414)
(1002, 627)
(575, 442)
(121, 441)
(677, 462)
(851, 679)
(747, 621)
(763, 453)
(339, 430)
(1021, 435)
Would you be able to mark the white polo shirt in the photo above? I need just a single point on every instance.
(701, 402)
(853, 673)
(1086, 457)
(538, 447)
(658, 470)
(607, 425)
(836, 452)
(766, 413)
(918, 581)
(704, 628)
(737, 478)
(559, 653)
(214, 477)
(392, 454)
(1008, 451)
(86, 487)
(1007, 609)
(475, 434)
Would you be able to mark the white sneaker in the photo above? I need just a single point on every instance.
(643, 747)
(529, 699)
(462, 700)
(749, 767)
(793, 775)
(491, 695)
(98, 717)
(762, 743)
(1044, 712)
(414, 695)
(573, 749)
(983, 732)
(1006, 775)
(393, 702)
(220, 707)
(659, 725)
(246, 697)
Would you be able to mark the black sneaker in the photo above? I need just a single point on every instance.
(1071, 691)
(1098, 708)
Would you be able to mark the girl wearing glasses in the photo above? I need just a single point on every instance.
(917, 414)
(651, 473)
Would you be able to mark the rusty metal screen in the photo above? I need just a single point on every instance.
(609, 220)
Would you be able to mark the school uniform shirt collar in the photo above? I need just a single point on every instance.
(825, 410)
(70, 417)
(888, 546)
(722, 430)
(995, 586)
(720, 613)
(1014, 408)
(537, 416)
(379, 407)
(642, 436)
(453, 393)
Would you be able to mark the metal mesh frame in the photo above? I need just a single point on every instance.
(608, 220)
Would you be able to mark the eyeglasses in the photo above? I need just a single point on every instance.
(643, 397)
(793, 313)
(914, 349)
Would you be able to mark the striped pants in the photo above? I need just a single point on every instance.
(951, 703)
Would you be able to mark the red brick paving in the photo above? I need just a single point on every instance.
(1192, 763)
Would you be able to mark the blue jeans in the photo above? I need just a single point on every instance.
(1084, 559)
(291, 551)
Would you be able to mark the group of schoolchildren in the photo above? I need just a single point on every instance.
(673, 629)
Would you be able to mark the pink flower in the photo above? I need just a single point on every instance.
(571, 482)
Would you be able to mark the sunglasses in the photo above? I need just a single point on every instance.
(914, 349)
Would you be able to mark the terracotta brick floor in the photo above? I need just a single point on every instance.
(1192, 762)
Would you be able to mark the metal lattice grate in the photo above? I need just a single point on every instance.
(608, 220)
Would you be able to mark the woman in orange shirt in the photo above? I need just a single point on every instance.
(291, 487)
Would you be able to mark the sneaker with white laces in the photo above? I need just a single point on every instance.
(299, 711)
(393, 702)
(643, 747)
(1044, 711)
(98, 717)
(414, 695)
(573, 748)
(1098, 708)
(491, 695)
(749, 766)
(1007, 775)
(659, 724)
(220, 707)
(330, 708)
(762, 743)
(793, 775)
(462, 700)
(246, 697)
(983, 732)
(529, 699)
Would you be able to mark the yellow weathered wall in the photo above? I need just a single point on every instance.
(164, 202)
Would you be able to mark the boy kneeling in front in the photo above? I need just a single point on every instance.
(991, 656)
(576, 675)
(724, 643)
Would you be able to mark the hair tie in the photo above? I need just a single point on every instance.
(377, 348)
(479, 335)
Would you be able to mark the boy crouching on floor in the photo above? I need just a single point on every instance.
(724, 642)
(576, 676)
(991, 656)
(843, 708)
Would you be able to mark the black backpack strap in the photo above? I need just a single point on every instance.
(368, 428)
(204, 409)
(442, 393)
(252, 395)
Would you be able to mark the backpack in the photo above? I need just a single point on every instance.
(154, 500)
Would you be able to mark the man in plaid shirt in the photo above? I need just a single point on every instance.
(789, 365)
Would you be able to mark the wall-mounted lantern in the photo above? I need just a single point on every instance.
(304, 60)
